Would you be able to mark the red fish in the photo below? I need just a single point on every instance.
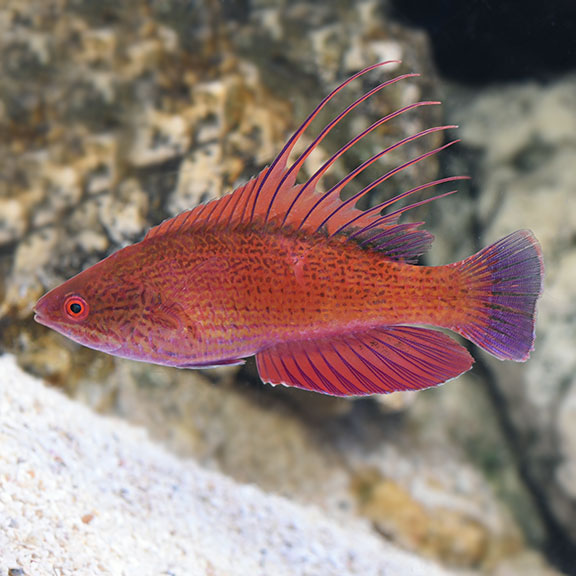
(326, 296)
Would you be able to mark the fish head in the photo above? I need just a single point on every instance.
(97, 308)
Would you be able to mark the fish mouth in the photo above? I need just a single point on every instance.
(38, 313)
(41, 319)
(39, 310)
(38, 318)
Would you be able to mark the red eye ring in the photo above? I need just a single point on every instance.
(76, 307)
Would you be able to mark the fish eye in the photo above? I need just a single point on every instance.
(76, 307)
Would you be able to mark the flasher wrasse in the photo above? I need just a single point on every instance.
(326, 296)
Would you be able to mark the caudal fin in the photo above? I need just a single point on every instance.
(504, 281)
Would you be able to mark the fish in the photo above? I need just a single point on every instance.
(327, 297)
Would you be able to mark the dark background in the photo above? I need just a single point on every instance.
(485, 41)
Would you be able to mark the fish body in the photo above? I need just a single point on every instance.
(327, 297)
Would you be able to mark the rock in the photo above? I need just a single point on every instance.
(527, 564)
(524, 139)
(12, 221)
(94, 496)
(404, 473)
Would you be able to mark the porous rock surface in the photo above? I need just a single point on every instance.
(83, 494)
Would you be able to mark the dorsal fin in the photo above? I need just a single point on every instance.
(229, 211)
(274, 200)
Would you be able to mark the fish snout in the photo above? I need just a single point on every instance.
(42, 310)
(38, 310)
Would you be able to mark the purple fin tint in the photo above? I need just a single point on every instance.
(377, 361)
(506, 282)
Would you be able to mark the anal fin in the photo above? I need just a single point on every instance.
(377, 361)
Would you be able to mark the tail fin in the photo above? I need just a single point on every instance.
(505, 282)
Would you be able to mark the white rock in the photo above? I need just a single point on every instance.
(91, 495)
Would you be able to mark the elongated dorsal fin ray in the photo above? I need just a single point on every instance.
(329, 211)
(295, 168)
(274, 200)
(279, 164)
(314, 179)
